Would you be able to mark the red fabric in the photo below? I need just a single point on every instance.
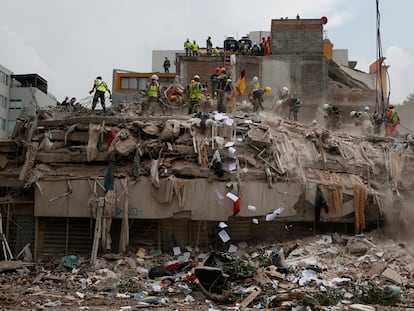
(236, 207)
(111, 136)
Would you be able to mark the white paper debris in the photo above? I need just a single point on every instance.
(228, 121)
(232, 196)
(255, 221)
(251, 208)
(229, 144)
(224, 236)
(222, 225)
(177, 250)
(232, 166)
(232, 248)
(232, 153)
(219, 195)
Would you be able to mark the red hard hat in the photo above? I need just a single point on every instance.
(218, 70)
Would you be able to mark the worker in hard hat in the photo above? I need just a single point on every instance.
(222, 81)
(194, 93)
(363, 119)
(100, 88)
(255, 50)
(188, 47)
(153, 94)
(214, 82)
(333, 116)
(166, 64)
(256, 94)
(195, 48)
(392, 119)
(288, 106)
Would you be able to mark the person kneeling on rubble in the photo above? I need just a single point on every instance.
(363, 119)
(153, 93)
(332, 115)
(287, 105)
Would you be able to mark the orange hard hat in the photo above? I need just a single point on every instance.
(223, 69)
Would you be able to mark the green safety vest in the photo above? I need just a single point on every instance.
(188, 45)
(195, 90)
(255, 86)
(393, 119)
(152, 90)
(195, 47)
(216, 52)
(100, 85)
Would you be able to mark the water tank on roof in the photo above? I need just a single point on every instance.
(246, 41)
(231, 44)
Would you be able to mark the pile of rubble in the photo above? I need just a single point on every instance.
(326, 272)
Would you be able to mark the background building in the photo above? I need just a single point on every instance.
(23, 92)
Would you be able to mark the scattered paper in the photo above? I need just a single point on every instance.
(222, 225)
(232, 196)
(232, 153)
(255, 221)
(270, 217)
(219, 117)
(224, 236)
(228, 121)
(177, 250)
(232, 248)
(279, 211)
(229, 144)
(251, 208)
(232, 166)
(219, 195)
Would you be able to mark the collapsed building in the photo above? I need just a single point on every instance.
(168, 180)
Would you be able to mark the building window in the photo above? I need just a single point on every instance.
(2, 124)
(11, 125)
(3, 101)
(15, 104)
(143, 83)
(129, 84)
(4, 78)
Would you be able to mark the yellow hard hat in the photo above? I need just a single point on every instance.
(223, 69)
(325, 106)
(352, 114)
(267, 89)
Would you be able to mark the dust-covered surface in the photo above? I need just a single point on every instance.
(326, 270)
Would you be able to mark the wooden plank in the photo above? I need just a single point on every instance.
(68, 156)
(250, 298)
(97, 235)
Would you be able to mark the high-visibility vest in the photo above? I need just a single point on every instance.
(188, 45)
(195, 47)
(100, 85)
(216, 52)
(195, 90)
(255, 86)
(152, 89)
(392, 118)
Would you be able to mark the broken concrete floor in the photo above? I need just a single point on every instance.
(324, 272)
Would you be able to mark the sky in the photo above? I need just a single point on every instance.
(69, 43)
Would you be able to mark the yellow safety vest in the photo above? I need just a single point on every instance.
(195, 90)
(195, 47)
(152, 90)
(100, 85)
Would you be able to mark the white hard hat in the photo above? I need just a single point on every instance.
(154, 77)
(196, 77)
(285, 89)
(366, 108)
(228, 80)
(255, 79)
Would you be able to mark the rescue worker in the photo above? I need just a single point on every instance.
(363, 119)
(222, 81)
(153, 93)
(195, 48)
(209, 46)
(392, 119)
(332, 115)
(255, 50)
(100, 88)
(214, 82)
(217, 51)
(188, 47)
(166, 64)
(195, 90)
(267, 44)
(230, 96)
(256, 94)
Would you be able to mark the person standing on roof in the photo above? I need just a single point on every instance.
(194, 93)
(100, 88)
(188, 47)
(209, 46)
(392, 119)
(217, 51)
(153, 93)
(166, 65)
(267, 44)
(195, 48)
